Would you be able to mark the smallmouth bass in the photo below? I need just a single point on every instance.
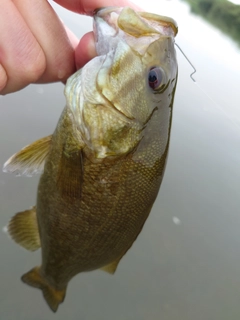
(103, 165)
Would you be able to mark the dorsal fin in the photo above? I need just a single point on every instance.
(31, 159)
(23, 229)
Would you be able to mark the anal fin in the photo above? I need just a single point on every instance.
(52, 296)
(111, 267)
(23, 229)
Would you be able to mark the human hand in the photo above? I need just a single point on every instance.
(35, 47)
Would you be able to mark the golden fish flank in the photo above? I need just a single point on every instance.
(103, 166)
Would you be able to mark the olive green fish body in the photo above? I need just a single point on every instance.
(103, 217)
(103, 166)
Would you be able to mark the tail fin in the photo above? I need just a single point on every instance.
(52, 296)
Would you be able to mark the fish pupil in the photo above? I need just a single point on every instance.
(155, 77)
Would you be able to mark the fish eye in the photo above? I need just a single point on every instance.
(155, 77)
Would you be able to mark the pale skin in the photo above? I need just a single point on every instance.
(35, 47)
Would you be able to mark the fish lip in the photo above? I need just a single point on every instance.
(164, 21)
(97, 11)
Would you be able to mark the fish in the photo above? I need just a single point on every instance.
(102, 168)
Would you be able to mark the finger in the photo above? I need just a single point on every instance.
(21, 58)
(85, 50)
(72, 37)
(3, 78)
(88, 6)
(52, 37)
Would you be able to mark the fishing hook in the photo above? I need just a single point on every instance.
(191, 75)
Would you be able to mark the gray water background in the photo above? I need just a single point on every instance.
(185, 265)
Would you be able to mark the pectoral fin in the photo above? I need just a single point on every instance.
(23, 229)
(31, 159)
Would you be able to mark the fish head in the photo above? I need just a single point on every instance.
(114, 95)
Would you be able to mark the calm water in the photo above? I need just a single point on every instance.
(185, 264)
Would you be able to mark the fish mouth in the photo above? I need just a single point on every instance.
(95, 12)
(164, 21)
(136, 23)
(107, 10)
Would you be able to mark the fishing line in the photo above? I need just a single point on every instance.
(218, 106)
(194, 69)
